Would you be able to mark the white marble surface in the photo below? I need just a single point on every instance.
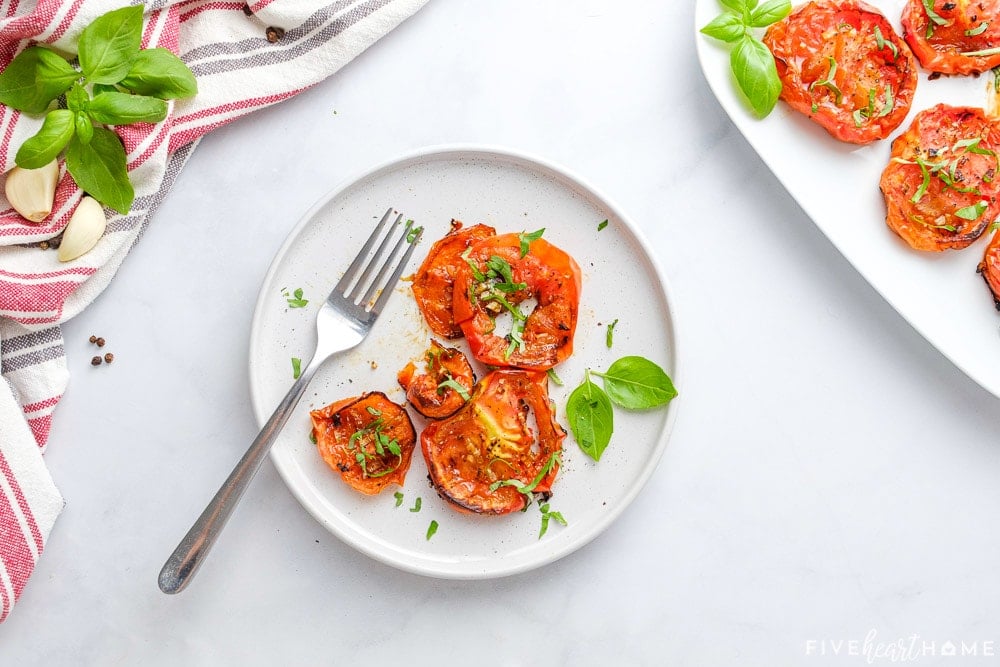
(830, 474)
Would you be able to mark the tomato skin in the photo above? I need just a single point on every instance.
(489, 440)
(433, 282)
(423, 388)
(942, 51)
(989, 268)
(334, 425)
(803, 44)
(553, 279)
(933, 139)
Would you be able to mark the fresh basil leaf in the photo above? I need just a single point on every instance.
(84, 127)
(591, 418)
(770, 12)
(125, 109)
(755, 72)
(110, 44)
(159, 73)
(56, 131)
(637, 383)
(737, 6)
(53, 70)
(99, 169)
(34, 78)
(99, 88)
(77, 98)
(726, 26)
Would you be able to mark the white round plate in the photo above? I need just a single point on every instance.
(513, 193)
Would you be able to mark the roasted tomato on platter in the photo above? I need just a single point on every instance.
(502, 277)
(941, 183)
(441, 384)
(954, 36)
(505, 437)
(990, 268)
(844, 66)
(433, 281)
(368, 440)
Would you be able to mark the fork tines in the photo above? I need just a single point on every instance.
(361, 290)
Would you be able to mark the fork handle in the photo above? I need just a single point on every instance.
(187, 557)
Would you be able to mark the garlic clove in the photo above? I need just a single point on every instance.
(32, 191)
(84, 230)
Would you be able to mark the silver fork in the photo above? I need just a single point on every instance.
(343, 321)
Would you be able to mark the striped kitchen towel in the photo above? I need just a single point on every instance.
(245, 56)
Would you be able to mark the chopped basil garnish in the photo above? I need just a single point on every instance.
(935, 18)
(296, 368)
(601, 225)
(828, 82)
(609, 337)
(548, 515)
(972, 212)
(295, 300)
(888, 102)
(450, 383)
(528, 489)
(381, 442)
(984, 52)
(526, 239)
(414, 232)
(499, 280)
(416, 504)
(945, 169)
(881, 43)
(431, 529)
(399, 498)
(978, 30)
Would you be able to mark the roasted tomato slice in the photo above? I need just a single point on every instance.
(369, 440)
(990, 268)
(442, 385)
(493, 283)
(433, 282)
(479, 456)
(843, 65)
(941, 183)
(954, 36)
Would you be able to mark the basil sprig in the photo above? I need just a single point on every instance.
(751, 61)
(118, 83)
(632, 382)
